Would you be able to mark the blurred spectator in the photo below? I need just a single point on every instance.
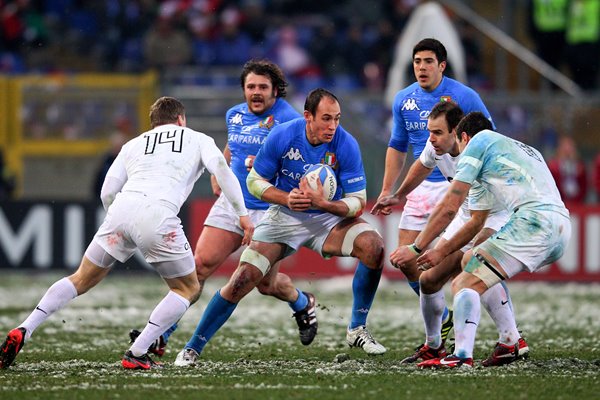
(166, 46)
(569, 171)
(7, 180)
(293, 59)
(232, 46)
(124, 132)
(547, 26)
(583, 42)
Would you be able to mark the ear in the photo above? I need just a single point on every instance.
(181, 121)
(307, 115)
(443, 66)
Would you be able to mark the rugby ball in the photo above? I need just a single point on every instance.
(325, 174)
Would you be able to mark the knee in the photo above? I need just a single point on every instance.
(370, 250)
(265, 288)
(204, 266)
(427, 284)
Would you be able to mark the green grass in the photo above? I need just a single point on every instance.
(76, 353)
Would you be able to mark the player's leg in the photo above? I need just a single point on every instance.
(356, 238)
(56, 297)
(255, 262)
(303, 304)
(181, 278)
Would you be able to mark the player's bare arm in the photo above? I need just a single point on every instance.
(432, 257)
(415, 176)
(351, 205)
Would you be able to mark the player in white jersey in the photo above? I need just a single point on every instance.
(535, 235)
(478, 218)
(143, 191)
(248, 125)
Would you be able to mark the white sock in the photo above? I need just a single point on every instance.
(432, 308)
(56, 297)
(165, 314)
(467, 312)
(497, 303)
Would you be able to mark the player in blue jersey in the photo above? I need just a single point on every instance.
(248, 125)
(410, 110)
(300, 216)
(536, 233)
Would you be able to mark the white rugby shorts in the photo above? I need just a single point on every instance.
(135, 221)
(295, 229)
(494, 221)
(420, 203)
(223, 216)
(534, 237)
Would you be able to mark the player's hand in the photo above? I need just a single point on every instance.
(248, 227)
(384, 205)
(216, 189)
(402, 255)
(315, 195)
(249, 162)
(298, 201)
(429, 259)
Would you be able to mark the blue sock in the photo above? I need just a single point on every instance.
(364, 286)
(216, 314)
(300, 303)
(417, 288)
(169, 332)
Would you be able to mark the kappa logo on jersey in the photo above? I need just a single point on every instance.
(236, 119)
(267, 122)
(410, 105)
(294, 155)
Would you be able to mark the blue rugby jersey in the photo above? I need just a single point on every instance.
(287, 154)
(246, 133)
(411, 109)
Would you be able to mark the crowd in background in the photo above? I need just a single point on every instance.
(308, 39)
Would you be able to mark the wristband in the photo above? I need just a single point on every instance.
(413, 247)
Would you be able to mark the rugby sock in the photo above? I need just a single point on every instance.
(56, 297)
(169, 332)
(432, 307)
(467, 312)
(300, 303)
(496, 301)
(414, 285)
(165, 314)
(417, 288)
(217, 312)
(364, 287)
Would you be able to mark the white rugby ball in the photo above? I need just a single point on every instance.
(326, 175)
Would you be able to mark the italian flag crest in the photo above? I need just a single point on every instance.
(330, 159)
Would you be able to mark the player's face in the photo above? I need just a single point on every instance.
(259, 93)
(428, 70)
(320, 128)
(443, 140)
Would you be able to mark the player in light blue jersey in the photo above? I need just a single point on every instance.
(410, 111)
(248, 125)
(300, 216)
(536, 233)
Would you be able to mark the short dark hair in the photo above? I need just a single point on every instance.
(450, 110)
(165, 110)
(434, 45)
(268, 69)
(473, 123)
(314, 98)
